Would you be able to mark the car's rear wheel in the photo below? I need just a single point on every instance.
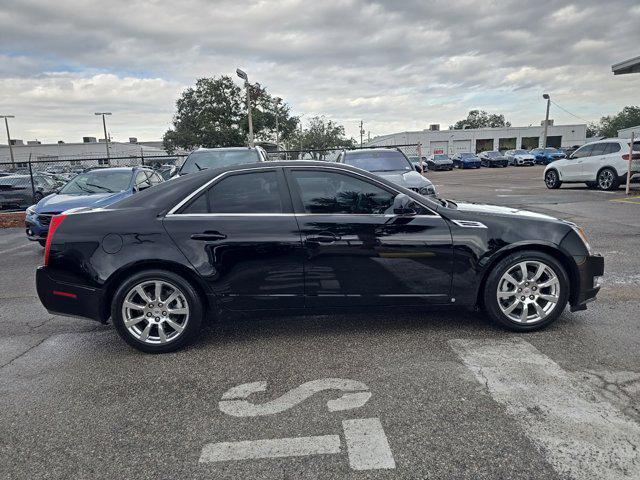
(43, 243)
(526, 291)
(608, 179)
(552, 179)
(156, 311)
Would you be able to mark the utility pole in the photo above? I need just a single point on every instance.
(6, 124)
(277, 100)
(361, 133)
(106, 137)
(245, 77)
(546, 120)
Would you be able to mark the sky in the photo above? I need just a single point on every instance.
(394, 64)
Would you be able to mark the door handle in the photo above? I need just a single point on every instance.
(323, 237)
(208, 236)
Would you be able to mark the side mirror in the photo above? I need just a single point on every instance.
(404, 205)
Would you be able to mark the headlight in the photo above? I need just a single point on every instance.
(31, 210)
(430, 190)
(582, 235)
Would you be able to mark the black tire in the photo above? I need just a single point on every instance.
(490, 300)
(591, 184)
(552, 179)
(193, 300)
(43, 243)
(37, 197)
(607, 179)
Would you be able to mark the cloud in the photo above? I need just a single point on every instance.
(395, 65)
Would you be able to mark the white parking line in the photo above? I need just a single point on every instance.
(270, 448)
(367, 444)
(582, 437)
(14, 248)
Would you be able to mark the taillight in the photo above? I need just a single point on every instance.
(636, 156)
(53, 226)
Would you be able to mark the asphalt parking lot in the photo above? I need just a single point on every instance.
(438, 394)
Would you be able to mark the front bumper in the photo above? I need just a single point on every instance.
(68, 299)
(34, 230)
(471, 164)
(589, 269)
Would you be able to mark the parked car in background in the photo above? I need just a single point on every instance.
(466, 160)
(520, 158)
(204, 158)
(493, 158)
(418, 165)
(167, 171)
(603, 164)
(96, 188)
(185, 256)
(16, 191)
(439, 161)
(390, 164)
(544, 156)
(568, 150)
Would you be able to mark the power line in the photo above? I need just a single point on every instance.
(572, 114)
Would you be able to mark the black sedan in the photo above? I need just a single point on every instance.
(493, 159)
(305, 237)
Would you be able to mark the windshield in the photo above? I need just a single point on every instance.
(98, 181)
(520, 152)
(381, 161)
(493, 154)
(550, 150)
(467, 155)
(201, 160)
(441, 157)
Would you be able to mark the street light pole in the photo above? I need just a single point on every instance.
(106, 138)
(6, 124)
(277, 100)
(245, 77)
(546, 120)
(361, 132)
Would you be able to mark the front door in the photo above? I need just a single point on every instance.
(242, 237)
(573, 171)
(358, 252)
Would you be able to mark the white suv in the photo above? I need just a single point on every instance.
(601, 164)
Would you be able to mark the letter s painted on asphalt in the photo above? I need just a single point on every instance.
(234, 402)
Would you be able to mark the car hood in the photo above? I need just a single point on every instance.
(524, 156)
(442, 161)
(482, 208)
(494, 159)
(60, 202)
(407, 179)
(469, 159)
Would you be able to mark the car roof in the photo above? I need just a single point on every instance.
(203, 149)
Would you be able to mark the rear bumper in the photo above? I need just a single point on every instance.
(589, 269)
(62, 298)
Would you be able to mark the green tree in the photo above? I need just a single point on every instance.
(609, 125)
(213, 113)
(321, 133)
(481, 119)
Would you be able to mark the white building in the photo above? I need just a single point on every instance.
(626, 132)
(74, 153)
(483, 139)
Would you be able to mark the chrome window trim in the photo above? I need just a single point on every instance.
(172, 211)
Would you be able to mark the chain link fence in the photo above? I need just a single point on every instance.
(26, 180)
(331, 154)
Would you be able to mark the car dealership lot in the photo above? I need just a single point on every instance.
(450, 395)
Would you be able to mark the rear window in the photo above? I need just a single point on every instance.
(441, 157)
(378, 161)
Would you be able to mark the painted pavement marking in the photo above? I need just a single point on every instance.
(582, 436)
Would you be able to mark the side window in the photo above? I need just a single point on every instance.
(154, 178)
(142, 181)
(583, 152)
(611, 148)
(328, 192)
(240, 193)
(599, 149)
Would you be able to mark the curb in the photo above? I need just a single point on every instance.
(12, 219)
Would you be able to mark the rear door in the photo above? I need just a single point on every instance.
(358, 252)
(241, 235)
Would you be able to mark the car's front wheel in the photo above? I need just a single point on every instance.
(608, 179)
(156, 311)
(552, 179)
(526, 291)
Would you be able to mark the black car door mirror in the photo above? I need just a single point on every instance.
(404, 205)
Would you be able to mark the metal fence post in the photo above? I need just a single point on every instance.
(420, 157)
(630, 162)
(33, 186)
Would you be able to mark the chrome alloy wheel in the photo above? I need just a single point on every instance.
(551, 178)
(605, 179)
(528, 292)
(155, 312)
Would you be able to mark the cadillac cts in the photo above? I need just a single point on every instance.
(305, 237)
